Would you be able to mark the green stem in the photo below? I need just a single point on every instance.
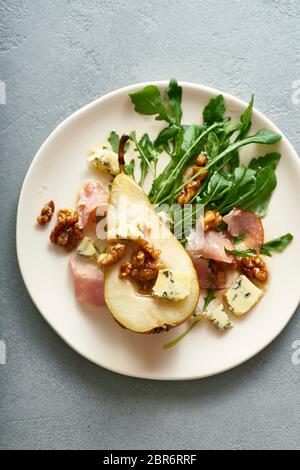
(208, 298)
(185, 332)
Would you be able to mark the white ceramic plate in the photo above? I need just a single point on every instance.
(57, 172)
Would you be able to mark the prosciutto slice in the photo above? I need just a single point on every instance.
(211, 246)
(245, 224)
(93, 195)
(206, 277)
(88, 280)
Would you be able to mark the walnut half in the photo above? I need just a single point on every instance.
(212, 219)
(191, 188)
(143, 266)
(46, 213)
(255, 267)
(114, 253)
(66, 231)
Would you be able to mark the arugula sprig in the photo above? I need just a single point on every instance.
(214, 111)
(147, 155)
(130, 168)
(207, 300)
(174, 92)
(241, 253)
(246, 119)
(277, 245)
(166, 138)
(114, 140)
(149, 101)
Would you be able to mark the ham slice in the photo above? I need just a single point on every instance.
(211, 246)
(207, 274)
(245, 224)
(206, 277)
(93, 195)
(88, 280)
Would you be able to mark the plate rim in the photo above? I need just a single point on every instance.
(65, 122)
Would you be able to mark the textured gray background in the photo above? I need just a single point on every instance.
(55, 56)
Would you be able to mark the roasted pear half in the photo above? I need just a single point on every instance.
(136, 312)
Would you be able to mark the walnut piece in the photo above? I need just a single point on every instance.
(143, 266)
(138, 259)
(148, 248)
(255, 267)
(190, 189)
(114, 253)
(188, 192)
(46, 213)
(66, 231)
(212, 219)
(67, 216)
(125, 270)
(147, 271)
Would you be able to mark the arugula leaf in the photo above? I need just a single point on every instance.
(243, 126)
(148, 101)
(129, 168)
(147, 154)
(214, 110)
(114, 140)
(263, 136)
(243, 185)
(268, 159)
(244, 188)
(241, 253)
(227, 190)
(165, 135)
(277, 245)
(218, 186)
(148, 149)
(174, 92)
(229, 126)
(187, 136)
(207, 300)
(212, 146)
(246, 119)
(266, 182)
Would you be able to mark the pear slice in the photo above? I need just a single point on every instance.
(136, 312)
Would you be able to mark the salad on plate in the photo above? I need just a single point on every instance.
(170, 229)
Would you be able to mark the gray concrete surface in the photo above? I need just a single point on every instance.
(56, 56)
